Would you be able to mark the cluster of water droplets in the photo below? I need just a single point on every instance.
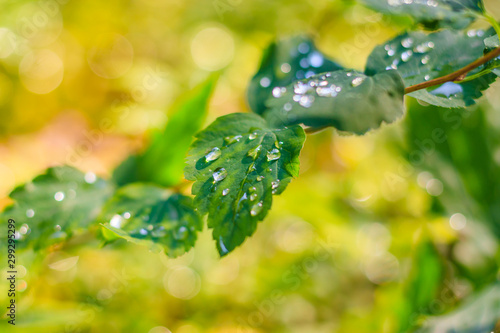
(411, 49)
(428, 3)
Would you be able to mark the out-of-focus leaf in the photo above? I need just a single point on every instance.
(419, 57)
(479, 313)
(56, 204)
(283, 62)
(422, 286)
(154, 217)
(492, 43)
(238, 163)
(458, 148)
(163, 161)
(345, 99)
(432, 14)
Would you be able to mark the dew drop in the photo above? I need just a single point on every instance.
(275, 184)
(259, 178)
(316, 59)
(306, 101)
(219, 174)
(405, 56)
(222, 247)
(213, 155)
(425, 60)
(427, 77)
(256, 209)
(301, 88)
(286, 68)
(116, 221)
(225, 192)
(407, 42)
(254, 152)
(287, 106)
(252, 136)
(278, 91)
(228, 140)
(273, 154)
(143, 232)
(90, 178)
(253, 196)
(160, 232)
(357, 81)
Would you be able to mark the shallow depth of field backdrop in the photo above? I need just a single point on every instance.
(387, 232)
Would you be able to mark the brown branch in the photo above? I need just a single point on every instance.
(455, 76)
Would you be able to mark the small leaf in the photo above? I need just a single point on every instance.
(163, 161)
(347, 100)
(494, 65)
(54, 205)
(432, 14)
(284, 62)
(151, 216)
(419, 57)
(492, 42)
(236, 188)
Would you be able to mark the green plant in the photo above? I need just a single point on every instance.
(241, 160)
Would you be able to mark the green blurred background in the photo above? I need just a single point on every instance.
(394, 231)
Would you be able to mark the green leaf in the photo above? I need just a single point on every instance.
(238, 163)
(284, 62)
(347, 100)
(494, 65)
(419, 57)
(54, 205)
(492, 42)
(151, 216)
(479, 313)
(433, 14)
(163, 161)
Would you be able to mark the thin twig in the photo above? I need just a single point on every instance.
(455, 75)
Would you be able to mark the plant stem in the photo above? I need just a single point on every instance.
(457, 75)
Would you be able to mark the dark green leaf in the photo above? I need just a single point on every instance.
(163, 161)
(346, 100)
(56, 204)
(432, 14)
(151, 216)
(284, 62)
(238, 163)
(419, 57)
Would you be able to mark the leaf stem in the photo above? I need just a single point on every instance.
(457, 75)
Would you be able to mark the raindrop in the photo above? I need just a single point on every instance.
(357, 81)
(287, 106)
(252, 136)
(306, 101)
(126, 215)
(256, 209)
(219, 174)
(427, 77)
(448, 89)
(273, 154)
(425, 59)
(143, 232)
(213, 155)
(159, 232)
(405, 56)
(275, 184)
(222, 247)
(25, 229)
(253, 196)
(59, 196)
(301, 88)
(278, 91)
(225, 192)
(254, 152)
(407, 42)
(259, 178)
(232, 139)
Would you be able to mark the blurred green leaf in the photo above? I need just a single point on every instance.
(458, 147)
(433, 14)
(163, 161)
(56, 204)
(345, 99)
(283, 62)
(479, 313)
(422, 286)
(419, 57)
(151, 216)
(238, 163)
